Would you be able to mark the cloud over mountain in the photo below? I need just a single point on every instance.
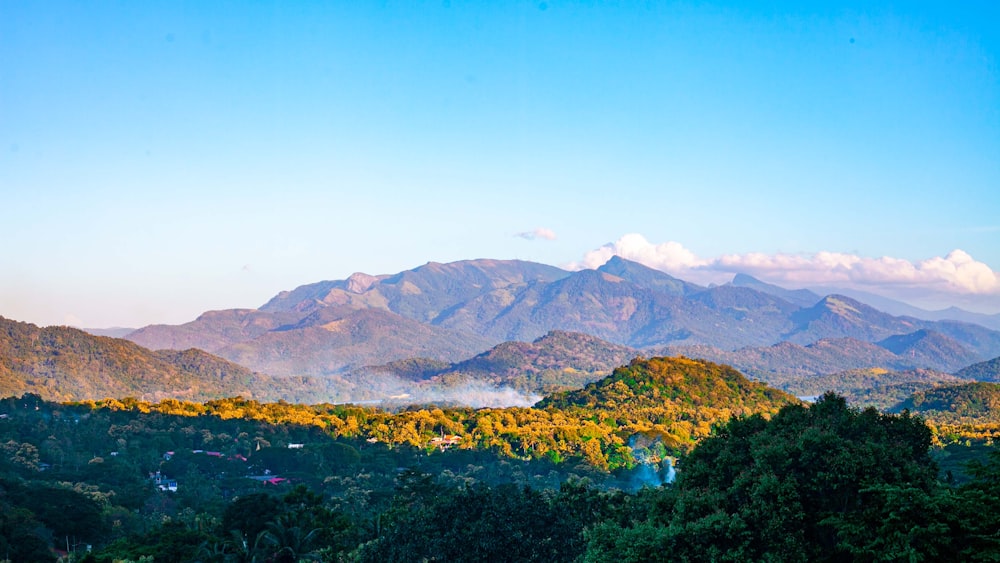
(957, 273)
(669, 257)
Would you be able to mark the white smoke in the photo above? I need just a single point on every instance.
(389, 391)
(478, 395)
(650, 470)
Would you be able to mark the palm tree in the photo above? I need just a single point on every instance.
(213, 552)
(238, 549)
(285, 542)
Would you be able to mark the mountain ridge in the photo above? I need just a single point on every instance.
(64, 363)
(482, 303)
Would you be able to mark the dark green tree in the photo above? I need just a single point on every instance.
(250, 514)
(19, 536)
(792, 488)
(479, 523)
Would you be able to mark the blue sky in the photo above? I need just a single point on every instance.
(162, 159)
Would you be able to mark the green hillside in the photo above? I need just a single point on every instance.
(677, 399)
(983, 371)
(558, 361)
(977, 402)
(870, 387)
(65, 364)
(679, 382)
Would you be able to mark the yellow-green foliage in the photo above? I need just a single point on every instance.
(678, 400)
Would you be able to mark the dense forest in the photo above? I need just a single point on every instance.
(667, 458)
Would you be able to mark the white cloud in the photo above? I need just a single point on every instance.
(958, 273)
(955, 273)
(668, 256)
(539, 233)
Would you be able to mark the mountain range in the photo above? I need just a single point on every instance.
(63, 363)
(807, 297)
(442, 332)
(449, 312)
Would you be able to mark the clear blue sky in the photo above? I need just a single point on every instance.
(159, 159)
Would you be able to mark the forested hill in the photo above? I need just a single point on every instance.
(63, 363)
(977, 402)
(983, 371)
(558, 361)
(236, 480)
(675, 400)
(678, 382)
(871, 387)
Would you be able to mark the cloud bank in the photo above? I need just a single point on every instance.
(956, 274)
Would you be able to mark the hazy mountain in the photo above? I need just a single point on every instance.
(777, 362)
(558, 361)
(292, 334)
(876, 387)
(751, 317)
(695, 320)
(901, 309)
(985, 343)
(337, 340)
(587, 301)
(350, 292)
(982, 371)
(213, 330)
(837, 316)
(800, 297)
(647, 277)
(411, 369)
(618, 310)
(977, 402)
(112, 332)
(957, 314)
(422, 293)
(449, 311)
(930, 348)
(807, 297)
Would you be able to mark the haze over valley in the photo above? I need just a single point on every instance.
(500, 333)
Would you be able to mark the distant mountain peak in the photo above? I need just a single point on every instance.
(616, 264)
(647, 277)
(745, 279)
(359, 282)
